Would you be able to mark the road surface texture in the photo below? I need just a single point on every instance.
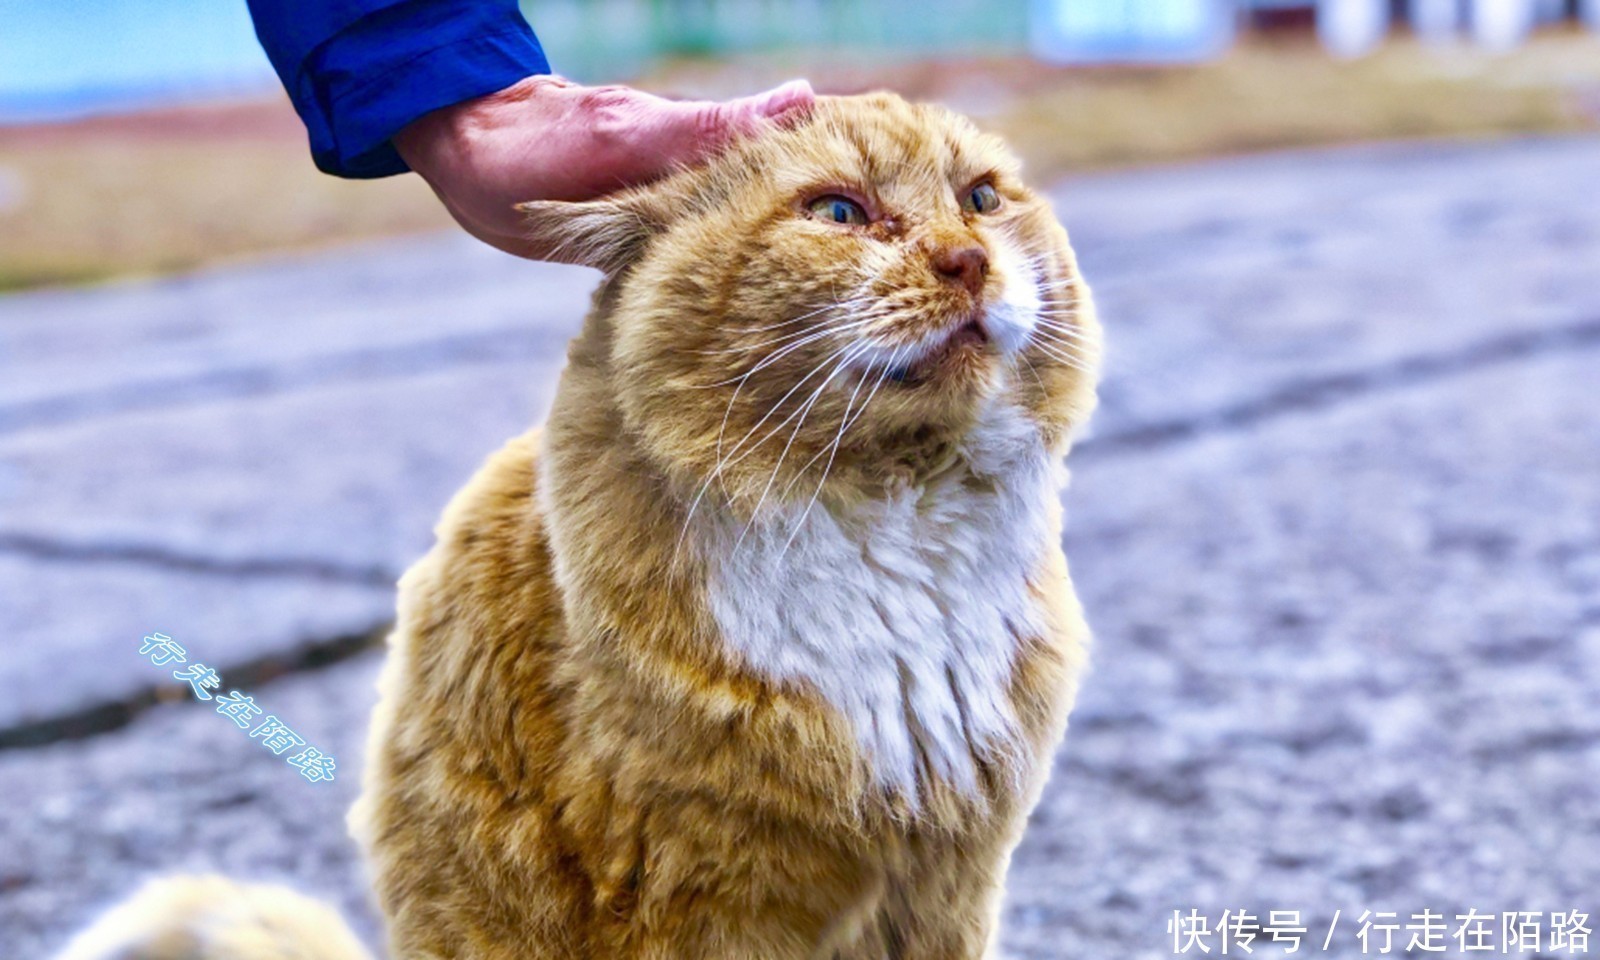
(1337, 528)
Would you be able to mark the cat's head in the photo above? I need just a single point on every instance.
(852, 298)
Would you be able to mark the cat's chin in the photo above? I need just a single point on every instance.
(960, 360)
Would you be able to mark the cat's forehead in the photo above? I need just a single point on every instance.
(882, 142)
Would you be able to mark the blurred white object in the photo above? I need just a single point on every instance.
(1501, 24)
(1435, 21)
(1079, 31)
(1352, 28)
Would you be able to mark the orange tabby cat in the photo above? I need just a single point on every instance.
(762, 648)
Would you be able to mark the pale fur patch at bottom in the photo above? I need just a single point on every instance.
(906, 615)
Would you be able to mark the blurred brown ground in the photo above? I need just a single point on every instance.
(169, 190)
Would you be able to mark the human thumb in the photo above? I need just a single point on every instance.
(794, 97)
(747, 115)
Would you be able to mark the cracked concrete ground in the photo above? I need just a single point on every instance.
(1338, 531)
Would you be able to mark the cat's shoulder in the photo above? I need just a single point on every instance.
(501, 497)
(491, 542)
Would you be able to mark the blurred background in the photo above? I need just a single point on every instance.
(1337, 525)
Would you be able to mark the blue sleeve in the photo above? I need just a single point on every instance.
(359, 70)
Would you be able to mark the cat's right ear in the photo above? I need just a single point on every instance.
(607, 234)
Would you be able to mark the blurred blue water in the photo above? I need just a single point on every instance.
(66, 58)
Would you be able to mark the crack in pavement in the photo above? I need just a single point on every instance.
(521, 344)
(1309, 395)
(152, 555)
(1315, 394)
(110, 715)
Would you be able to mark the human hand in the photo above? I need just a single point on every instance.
(546, 138)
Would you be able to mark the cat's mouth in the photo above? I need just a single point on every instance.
(962, 342)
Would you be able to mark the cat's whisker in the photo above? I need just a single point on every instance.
(856, 319)
(1056, 325)
(849, 306)
(856, 349)
(1061, 344)
(724, 461)
(843, 362)
(1064, 320)
(749, 348)
(1039, 262)
(1060, 357)
(745, 349)
(882, 375)
(1073, 345)
(1063, 353)
(888, 368)
(846, 421)
(857, 300)
(1058, 354)
(726, 413)
(799, 474)
(1035, 371)
(1065, 337)
(808, 336)
(722, 429)
(1055, 304)
(1066, 332)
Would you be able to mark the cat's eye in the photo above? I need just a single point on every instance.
(983, 198)
(837, 209)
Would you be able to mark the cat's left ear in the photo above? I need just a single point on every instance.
(608, 234)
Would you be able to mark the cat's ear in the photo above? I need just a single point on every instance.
(607, 234)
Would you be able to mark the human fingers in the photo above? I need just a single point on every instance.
(718, 122)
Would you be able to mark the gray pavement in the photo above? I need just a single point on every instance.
(1338, 531)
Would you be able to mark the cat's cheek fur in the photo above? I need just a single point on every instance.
(1012, 319)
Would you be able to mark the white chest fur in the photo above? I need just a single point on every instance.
(905, 616)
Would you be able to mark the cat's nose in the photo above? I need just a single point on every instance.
(969, 265)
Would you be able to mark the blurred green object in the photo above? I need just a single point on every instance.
(606, 39)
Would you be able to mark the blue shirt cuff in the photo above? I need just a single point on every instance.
(402, 62)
